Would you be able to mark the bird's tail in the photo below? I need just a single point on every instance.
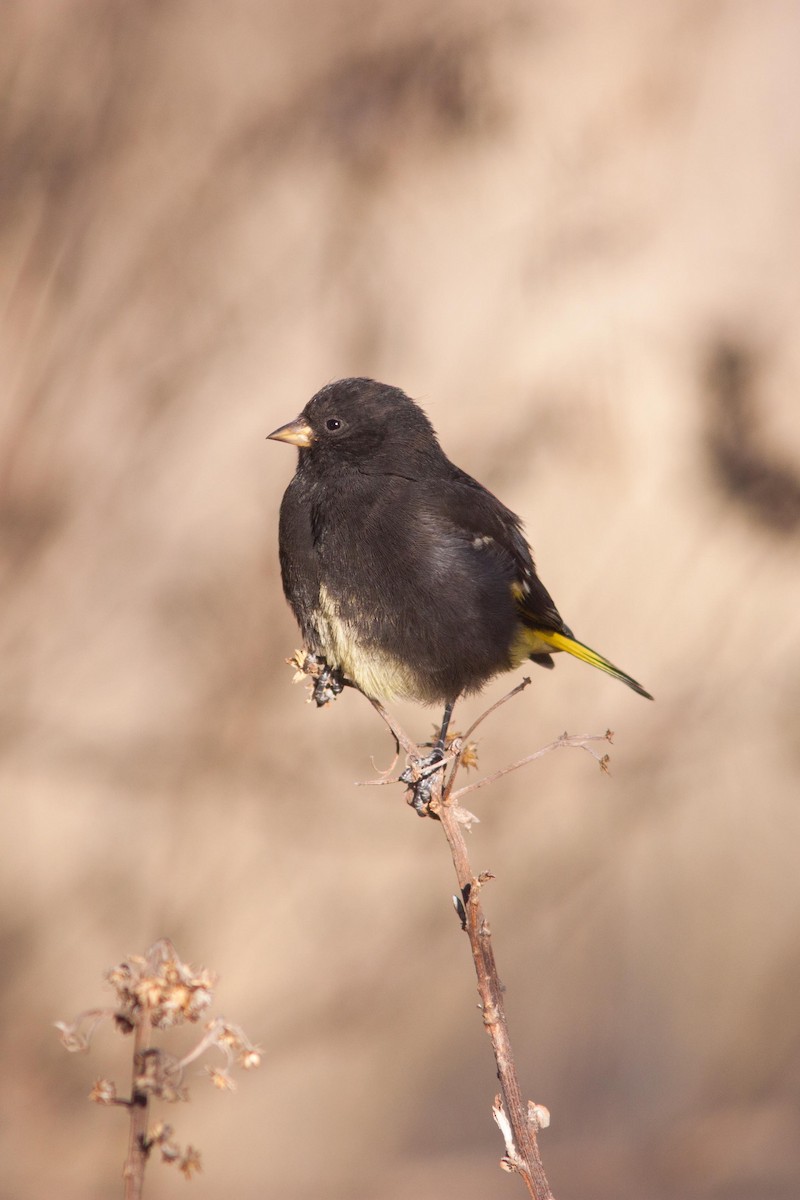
(562, 641)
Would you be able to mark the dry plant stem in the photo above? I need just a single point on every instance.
(133, 1171)
(516, 1120)
(526, 682)
(522, 1149)
(579, 741)
(524, 1155)
(479, 721)
(399, 735)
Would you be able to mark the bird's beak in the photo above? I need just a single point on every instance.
(296, 433)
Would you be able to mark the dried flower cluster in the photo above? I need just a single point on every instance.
(188, 1160)
(157, 991)
(159, 985)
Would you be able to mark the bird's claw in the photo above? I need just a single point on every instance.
(419, 775)
(328, 681)
(327, 686)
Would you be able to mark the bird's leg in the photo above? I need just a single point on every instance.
(439, 746)
(419, 774)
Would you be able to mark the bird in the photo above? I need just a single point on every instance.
(407, 577)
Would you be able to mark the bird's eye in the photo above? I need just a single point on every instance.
(332, 424)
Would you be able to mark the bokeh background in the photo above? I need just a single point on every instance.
(571, 230)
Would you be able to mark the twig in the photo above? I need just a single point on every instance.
(479, 721)
(517, 1122)
(578, 740)
(138, 1107)
(522, 1149)
(400, 736)
(498, 704)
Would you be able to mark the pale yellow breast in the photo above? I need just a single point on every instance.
(375, 672)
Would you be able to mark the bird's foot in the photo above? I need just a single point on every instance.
(327, 686)
(328, 682)
(420, 775)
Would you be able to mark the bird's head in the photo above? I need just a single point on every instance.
(362, 423)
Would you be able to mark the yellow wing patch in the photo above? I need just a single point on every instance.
(544, 641)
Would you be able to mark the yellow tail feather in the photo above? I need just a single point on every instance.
(560, 641)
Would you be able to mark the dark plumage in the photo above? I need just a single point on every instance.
(404, 573)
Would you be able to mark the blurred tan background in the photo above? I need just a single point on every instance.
(572, 231)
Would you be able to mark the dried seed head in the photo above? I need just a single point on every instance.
(160, 989)
(249, 1059)
(103, 1092)
(190, 1163)
(221, 1079)
(469, 755)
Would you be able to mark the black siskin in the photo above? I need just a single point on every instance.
(407, 577)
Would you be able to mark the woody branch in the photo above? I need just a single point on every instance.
(519, 1123)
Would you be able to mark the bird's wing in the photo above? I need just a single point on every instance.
(488, 527)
